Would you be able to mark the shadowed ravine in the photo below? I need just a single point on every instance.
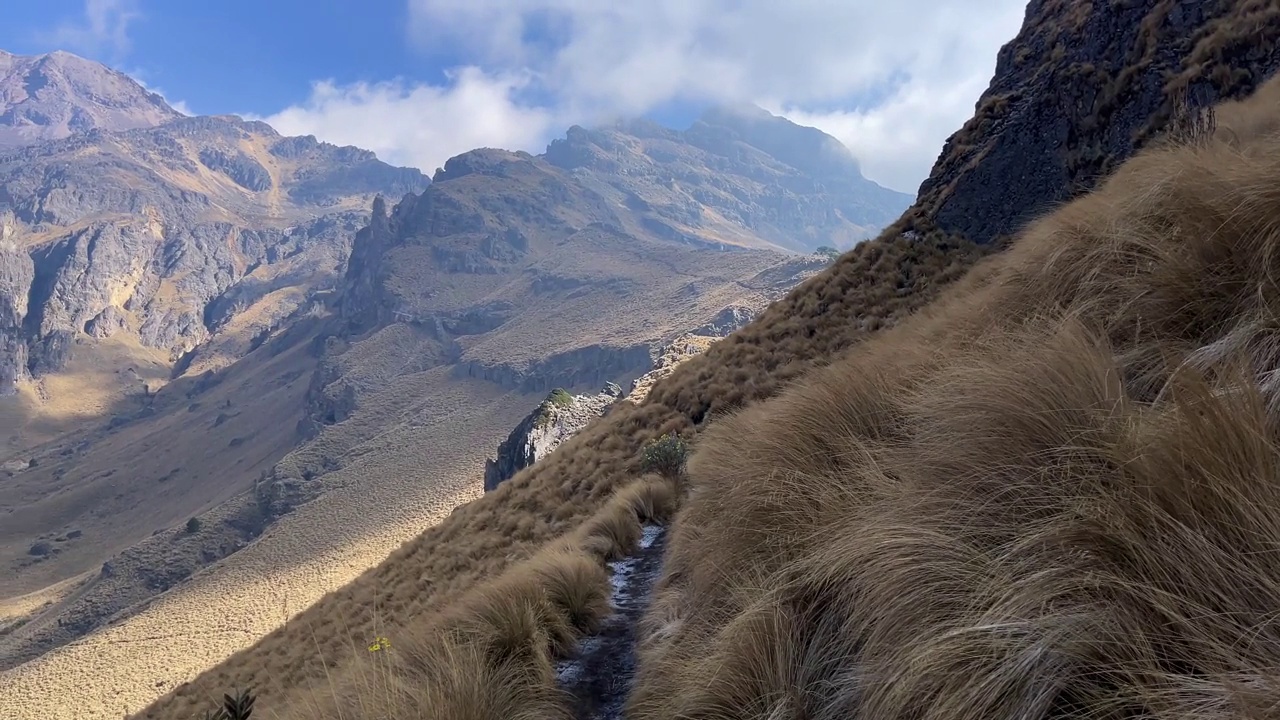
(600, 676)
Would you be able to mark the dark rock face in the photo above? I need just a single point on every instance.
(556, 419)
(241, 168)
(361, 300)
(106, 323)
(1080, 89)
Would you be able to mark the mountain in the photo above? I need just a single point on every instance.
(789, 186)
(168, 232)
(50, 97)
(223, 347)
(550, 520)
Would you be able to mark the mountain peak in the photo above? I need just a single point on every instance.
(52, 96)
(805, 148)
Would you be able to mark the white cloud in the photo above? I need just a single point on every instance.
(890, 79)
(103, 29)
(420, 125)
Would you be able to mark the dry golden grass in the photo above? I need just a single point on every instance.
(384, 493)
(1056, 493)
(869, 289)
(194, 449)
(491, 656)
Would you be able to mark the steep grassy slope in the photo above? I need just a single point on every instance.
(872, 287)
(508, 275)
(1054, 493)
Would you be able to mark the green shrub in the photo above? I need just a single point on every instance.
(193, 525)
(665, 456)
(560, 398)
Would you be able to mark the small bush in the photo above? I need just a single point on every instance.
(193, 526)
(666, 456)
(237, 707)
(560, 398)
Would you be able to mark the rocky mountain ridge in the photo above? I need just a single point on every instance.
(737, 176)
(53, 96)
(170, 232)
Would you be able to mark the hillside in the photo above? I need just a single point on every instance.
(138, 264)
(1226, 48)
(1052, 493)
(221, 366)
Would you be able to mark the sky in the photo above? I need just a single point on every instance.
(419, 81)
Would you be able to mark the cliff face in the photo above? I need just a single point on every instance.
(168, 233)
(556, 419)
(1078, 91)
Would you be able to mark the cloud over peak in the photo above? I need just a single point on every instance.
(890, 80)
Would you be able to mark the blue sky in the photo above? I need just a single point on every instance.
(418, 81)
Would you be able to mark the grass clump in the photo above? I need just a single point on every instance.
(1054, 493)
(234, 707)
(492, 655)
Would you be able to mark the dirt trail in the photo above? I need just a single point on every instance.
(600, 675)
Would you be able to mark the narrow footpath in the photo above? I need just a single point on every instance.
(600, 675)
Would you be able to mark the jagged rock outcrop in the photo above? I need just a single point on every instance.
(362, 289)
(667, 359)
(1078, 91)
(556, 419)
(726, 321)
(562, 414)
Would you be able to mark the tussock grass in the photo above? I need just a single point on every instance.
(491, 656)
(866, 292)
(1054, 493)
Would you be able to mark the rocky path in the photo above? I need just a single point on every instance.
(600, 675)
